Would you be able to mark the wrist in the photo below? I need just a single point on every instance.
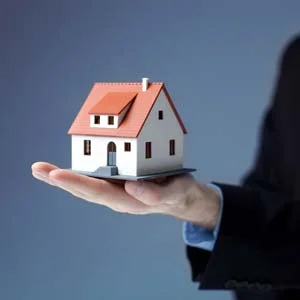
(202, 206)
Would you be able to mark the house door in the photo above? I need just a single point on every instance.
(111, 154)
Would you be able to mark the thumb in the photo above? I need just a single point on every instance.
(147, 192)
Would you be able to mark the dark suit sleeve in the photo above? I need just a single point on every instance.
(249, 214)
(256, 217)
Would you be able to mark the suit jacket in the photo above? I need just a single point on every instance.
(257, 251)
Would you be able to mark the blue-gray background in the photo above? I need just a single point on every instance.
(218, 59)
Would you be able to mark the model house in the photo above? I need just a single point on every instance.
(128, 129)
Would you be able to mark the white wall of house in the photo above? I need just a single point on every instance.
(125, 161)
(159, 132)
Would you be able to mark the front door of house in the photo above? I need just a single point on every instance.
(111, 154)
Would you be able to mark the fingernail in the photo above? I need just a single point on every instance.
(56, 182)
(40, 175)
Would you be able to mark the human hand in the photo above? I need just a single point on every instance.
(178, 196)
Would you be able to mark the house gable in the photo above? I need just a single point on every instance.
(160, 142)
(162, 113)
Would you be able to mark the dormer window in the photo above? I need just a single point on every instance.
(112, 109)
(110, 120)
(96, 119)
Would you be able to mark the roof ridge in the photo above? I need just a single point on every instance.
(125, 83)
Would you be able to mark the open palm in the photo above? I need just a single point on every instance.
(168, 197)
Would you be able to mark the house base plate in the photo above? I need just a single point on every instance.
(137, 178)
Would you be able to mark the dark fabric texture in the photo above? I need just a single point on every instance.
(257, 252)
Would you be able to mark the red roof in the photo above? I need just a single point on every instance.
(136, 116)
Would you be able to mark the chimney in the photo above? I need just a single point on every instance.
(145, 84)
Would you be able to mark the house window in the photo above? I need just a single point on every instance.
(97, 119)
(148, 150)
(110, 120)
(160, 115)
(87, 147)
(127, 147)
(172, 147)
